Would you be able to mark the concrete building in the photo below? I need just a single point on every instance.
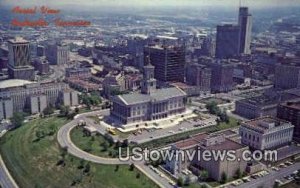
(42, 66)
(58, 53)
(34, 97)
(6, 108)
(203, 142)
(227, 43)
(245, 30)
(264, 105)
(287, 76)
(38, 103)
(200, 76)
(266, 133)
(221, 74)
(19, 65)
(151, 104)
(169, 62)
(290, 111)
(77, 72)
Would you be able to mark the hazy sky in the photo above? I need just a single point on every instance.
(230, 3)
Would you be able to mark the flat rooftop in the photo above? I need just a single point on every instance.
(13, 83)
(199, 140)
(259, 124)
(18, 40)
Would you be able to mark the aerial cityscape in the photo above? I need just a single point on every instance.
(150, 93)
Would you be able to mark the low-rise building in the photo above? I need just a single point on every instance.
(266, 133)
(290, 111)
(220, 142)
(21, 95)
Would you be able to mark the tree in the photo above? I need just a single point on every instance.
(138, 175)
(180, 181)
(17, 119)
(238, 173)
(224, 117)
(64, 110)
(87, 168)
(223, 177)
(105, 146)
(204, 175)
(213, 108)
(125, 143)
(48, 110)
(131, 167)
(117, 168)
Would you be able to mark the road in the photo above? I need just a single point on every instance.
(268, 180)
(6, 179)
(64, 140)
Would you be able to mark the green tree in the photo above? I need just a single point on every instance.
(48, 110)
(180, 181)
(204, 175)
(238, 173)
(17, 119)
(131, 167)
(213, 108)
(64, 110)
(223, 177)
(117, 168)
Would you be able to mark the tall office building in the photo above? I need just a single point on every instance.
(221, 74)
(200, 76)
(19, 65)
(245, 27)
(169, 62)
(227, 44)
(290, 111)
(233, 40)
(287, 76)
(57, 53)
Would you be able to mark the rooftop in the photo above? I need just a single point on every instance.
(158, 95)
(264, 124)
(200, 140)
(18, 40)
(13, 83)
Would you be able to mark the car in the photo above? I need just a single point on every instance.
(246, 180)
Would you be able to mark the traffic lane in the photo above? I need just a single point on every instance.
(268, 180)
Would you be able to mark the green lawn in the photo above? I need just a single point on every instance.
(34, 162)
(93, 144)
(174, 138)
(213, 99)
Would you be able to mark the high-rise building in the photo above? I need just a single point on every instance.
(169, 62)
(57, 53)
(208, 47)
(233, 40)
(227, 43)
(287, 76)
(200, 76)
(221, 74)
(290, 111)
(245, 25)
(19, 65)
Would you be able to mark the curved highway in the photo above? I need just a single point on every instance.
(64, 140)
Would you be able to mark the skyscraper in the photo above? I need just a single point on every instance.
(19, 65)
(169, 62)
(245, 27)
(57, 53)
(227, 44)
